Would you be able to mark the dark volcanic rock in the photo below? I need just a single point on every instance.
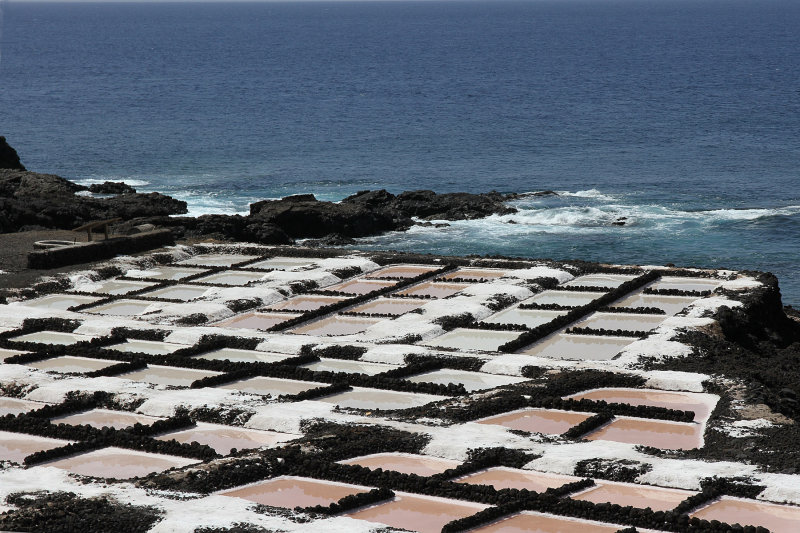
(451, 206)
(28, 199)
(304, 216)
(430, 205)
(8, 156)
(31, 199)
(111, 187)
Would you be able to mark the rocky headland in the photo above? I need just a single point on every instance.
(33, 201)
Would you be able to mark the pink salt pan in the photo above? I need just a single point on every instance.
(641, 496)
(390, 306)
(336, 325)
(401, 271)
(17, 446)
(13, 406)
(501, 477)
(291, 492)
(306, 303)
(119, 463)
(776, 518)
(656, 433)
(434, 289)
(100, 418)
(529, 522)
(425, 514)
(272, 386)
(361, 286)
(701, 404)
(548, 421)
(256, 320)
(404, 463)
(224, 438)
(474, 274)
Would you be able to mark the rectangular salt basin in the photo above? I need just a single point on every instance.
(564, 298)
(15, 406)
(526, 317)
(336, 325)
(532, 522)
(231, 278)
(69, 363)
(389, 306)
(362, 398)
(640, 496)
(472, 339)
(184, 293)
(61, 302)
(166, 273)
(306, 302)
(213, 260)
(475, 274)
(99, 418)
(685, 284)
(119, 463)
(623, 321)
(17, 446)
(502, 477)
(361, 286)
(243, 356)
(472, 381)
(168, 375)
(291, 492)
(401, 271)
(256, 320)
(223, 439)
(671, 305)
(434, 289)
(702, 404)
(776, 518)
(4, 354)
(533, 420)
(121, 308)
(425, 514)
(284, 263)
(148, 347)
(350, 367)
(582, 347)
(52, 337)
(610, 281)
(657, 433)
(272, 386)
(405, 463)
(117, 287)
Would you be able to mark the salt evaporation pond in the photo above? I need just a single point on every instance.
(291, 492)
(404, 463)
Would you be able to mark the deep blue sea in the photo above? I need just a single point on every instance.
(681, 115)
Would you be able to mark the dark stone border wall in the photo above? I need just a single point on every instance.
(99, 250)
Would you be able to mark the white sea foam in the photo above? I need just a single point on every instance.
(589, 193)
(129, 181)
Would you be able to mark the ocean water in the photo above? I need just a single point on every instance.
(681, 115)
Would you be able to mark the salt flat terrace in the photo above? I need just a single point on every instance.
(369, 390)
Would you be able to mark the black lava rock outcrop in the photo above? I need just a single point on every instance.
(432, 206)
(9, 157)
(49, 201)
(111, 187)
(303, 216)
(31, 200)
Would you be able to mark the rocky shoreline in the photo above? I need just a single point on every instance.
(34, 201)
